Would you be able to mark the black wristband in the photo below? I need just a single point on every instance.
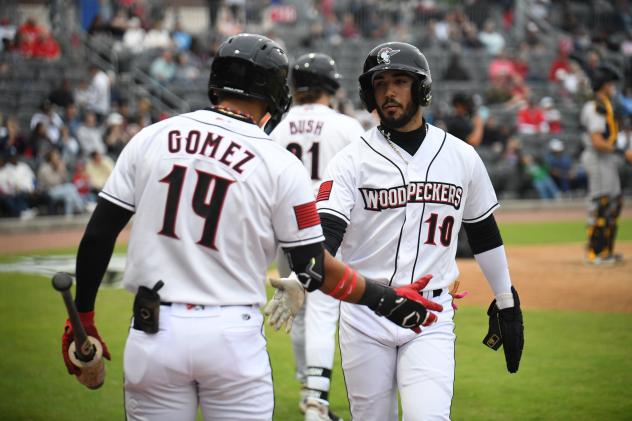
(373, 293)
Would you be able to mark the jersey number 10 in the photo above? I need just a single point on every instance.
(210, 211)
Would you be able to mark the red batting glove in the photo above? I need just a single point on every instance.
(87, 320)
(412, 292)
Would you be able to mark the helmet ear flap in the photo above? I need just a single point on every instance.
(422, 93)
(366, 92)
(368, 99)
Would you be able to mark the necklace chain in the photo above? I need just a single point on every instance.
(234, 113)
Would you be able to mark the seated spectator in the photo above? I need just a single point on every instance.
(349, 28)
(492, 40)
(495, 135)
(562, 63)
(134, 37)
(118, 24)
(27, 36)
(455, 69)
(464, 122)
(17, 186)
(540, 178)
(89, 135)
(560, 166)
(157, 37)
(501, 66)
(98, 92)
(50, 118)
(185, 70)
(69, 147)
(115, 135)
(145, 113)
(46, 47)
(626, 100)
(81, 181)
(11, 137)
(181, 39)
(552, 116)
(163, 69)
(71, 118)
(573, 82)
(519, 92)
(52, 178)
(531, 119)
(98, 168)
(40, 142)
(82, 94)
(62, 95)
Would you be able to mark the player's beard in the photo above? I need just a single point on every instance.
(401, 121)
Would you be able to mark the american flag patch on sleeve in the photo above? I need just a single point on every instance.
(325, 190)
(306, 215)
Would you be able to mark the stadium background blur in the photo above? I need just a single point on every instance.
(79, 78)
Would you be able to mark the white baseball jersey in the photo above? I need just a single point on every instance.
(315, 133)
(404, 213)
(213, 198)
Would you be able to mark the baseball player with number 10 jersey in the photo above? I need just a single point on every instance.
(397, 198)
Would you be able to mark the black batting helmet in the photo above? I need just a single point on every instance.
(605, 73)
(253, 66)
(396, 56)
(315, 71)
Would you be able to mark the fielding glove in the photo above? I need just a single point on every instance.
(286, 302)
(405, 306)
(87, 320)
(506, 328)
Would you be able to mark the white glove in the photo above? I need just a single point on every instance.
(286, 302)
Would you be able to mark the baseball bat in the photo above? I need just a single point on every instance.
(85, 351)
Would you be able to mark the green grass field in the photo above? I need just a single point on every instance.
(575, 365)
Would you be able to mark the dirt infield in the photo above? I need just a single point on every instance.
(555, 277)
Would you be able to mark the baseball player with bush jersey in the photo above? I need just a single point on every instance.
(213, 198)
(393, 202)
(314, 132)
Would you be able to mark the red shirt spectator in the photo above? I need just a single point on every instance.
(501, 66)
(552, 116)
(531, 119)
(46, 47)
(560, 63)
(28, 33)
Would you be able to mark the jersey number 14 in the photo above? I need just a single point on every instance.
(210, 211)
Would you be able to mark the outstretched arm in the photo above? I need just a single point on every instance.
(505, 317)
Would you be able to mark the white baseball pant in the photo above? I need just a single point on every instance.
(380, 358)
(212, 356)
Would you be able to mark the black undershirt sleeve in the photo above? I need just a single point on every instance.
(483, 235)
(334, 230)
(95, 250)
(300, 257)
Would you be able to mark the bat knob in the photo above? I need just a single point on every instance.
(62, 281)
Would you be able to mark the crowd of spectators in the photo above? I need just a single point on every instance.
(62, 158)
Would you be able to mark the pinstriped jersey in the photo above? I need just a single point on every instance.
(315, 133)
(404, 212)
(213, 198)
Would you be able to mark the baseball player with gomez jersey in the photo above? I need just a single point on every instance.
(393, 202)
(213, 197)
(315, 132)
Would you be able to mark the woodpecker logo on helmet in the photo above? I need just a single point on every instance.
(385, 54)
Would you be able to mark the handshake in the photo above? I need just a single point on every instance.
(404, 306)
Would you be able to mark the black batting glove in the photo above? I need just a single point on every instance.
(506, 328)
(404, 306)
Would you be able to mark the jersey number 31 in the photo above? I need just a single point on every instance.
(209, 210)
